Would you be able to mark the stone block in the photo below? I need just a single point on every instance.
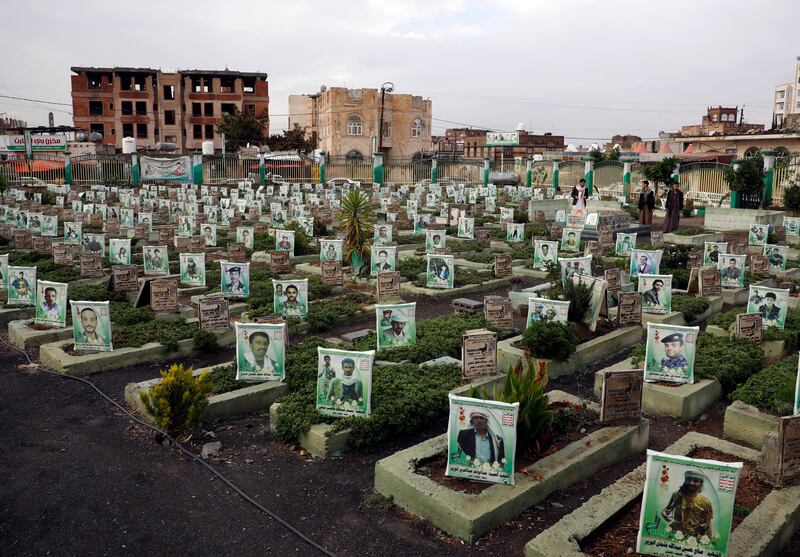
(725, 219)
(11, 313)
(748, 424)
(21, 335)
(354, 336)
(697, 241)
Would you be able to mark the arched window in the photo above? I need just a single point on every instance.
(781, 156)
(354, 125)
(417, 129)
(354, 155)
(751, 152)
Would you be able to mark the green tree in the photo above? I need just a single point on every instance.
(357, 224)
(791, 195)
(3, 185)
(748, 176)
(596, 155)
(241, 128)
(292, 140)
(660, 172)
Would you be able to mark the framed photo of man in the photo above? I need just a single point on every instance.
(192, 269)
(396, 325)
(624, 244)
(777, 257)
(670, 353)
(440, 271)
(21, 286)
(544, 252)
(330, 250)
(466, 227)
(155, 260)
(656, 293)
(290, 297)
(771, 303)
(344, 382)
(94, 243)
(792, 226)
(515, 232)
(234, 279)
(260, 351)
(49, 226)
(51, 303)
(383, 259)
(73, 233)
(91, 326)
(571, 240)
(645, 262)
(382, 234)
(757, 235)
(542, 310)
(712, 251)
(119, 251)
(435, 240)
(208, 232)
(572, 266)
(284, 241)
(731, 270)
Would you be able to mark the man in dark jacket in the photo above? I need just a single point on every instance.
(478, 442)
(674, 208)
(647, 202)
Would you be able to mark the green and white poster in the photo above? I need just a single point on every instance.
(330, 250)
(421, 223)
(284, 241)
(466, 227)
(4, 269)
(396, 325)
(383, 259)
(440, 271)
(94, 243)
(712, 251)
(290, 297)
(146, 218)
(757, 235)
(245, 235)
(670, 353)
(687, 506)
(382, 234)
(645, 262)
(515, 232)
(543, 310)
(771, 303)
(119, 251)
(91, 326)
(260, 351)
(656, 294)
(572, 266)
(571, 240)
(49, 226)
(155, 260)
(51, 303)
(209, 234)
(21, 286)
(435, 239)
(731, 270)
(193, 269)
(777, 257)
(481, 439)
(344, 382)
(792, 226)
(186, 225)
(625, 244)
(544, 251)
(126, 218)
(234, 279)
(73, 233)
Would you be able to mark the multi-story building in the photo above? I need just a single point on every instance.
(723, 121)
(529, 144)
(451, 145)
(152, 106)
(6, 123)
(346, 122)
(786, 100)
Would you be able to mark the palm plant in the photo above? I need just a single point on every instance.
(357, 224)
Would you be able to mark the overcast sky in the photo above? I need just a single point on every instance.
(583, 68)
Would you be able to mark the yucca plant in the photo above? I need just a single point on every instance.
(357, 224)
(535, 421)
(177, 402)
(579, 295)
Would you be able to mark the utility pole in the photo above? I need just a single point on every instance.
(387, 87)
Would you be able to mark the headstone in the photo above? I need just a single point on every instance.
(141, 231)
(621, 396)
(657, 238)
(164, 295)
(279, 261)
(5, 231)
(112, 226)
(91, 266)
(95, 220)
(355, 336)
(465, 305)
(63, 254)
(237, 253)
(23, 239)
(42, 245)
(629, 309)
(388, 286)
(605, 235)
(197, 244)
(332, 273)
(710, 282)
(126, 279)
(165, 235)
(613, 279)
(498, 312)
(484, 238)
(694, 279)
(749, 327)
(478, 353)
(789, 450)
(695, 259)
(502, 265)
(759, 265)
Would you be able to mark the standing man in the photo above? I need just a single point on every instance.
(647, 202)
(674, 208)
(578, 195)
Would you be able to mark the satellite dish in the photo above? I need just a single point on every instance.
(323, 88)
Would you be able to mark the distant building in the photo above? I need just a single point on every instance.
(7, 123)
(152, 106)
(529, 144)
(451, 144)
(738, 145)
(346, 121)
(721, 120)
(786, 100)
(626, 142)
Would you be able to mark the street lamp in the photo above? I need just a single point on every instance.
(387, 87)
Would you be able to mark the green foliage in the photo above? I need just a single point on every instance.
(550, 340)
(633, 211)
(479, 257)
(292, 140)
(520, 216)
(177, 402)
(241, 128)
(726, 319)
(748, 176)
(357, 224)
(791, 198)
(465, 276)
(660, 172)
(637, 355)
(324, 314)
(691, 306)
(411, 267)
(729, 361)
(771, 390)
(579, 296)
(674, 257)
(535, 417)
(168, 333)
(680, 278)
(223, 379)
(205, 341)
(691, 231)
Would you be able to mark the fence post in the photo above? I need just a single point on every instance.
(435, 169)
(197, 168)
(529, 172)
(67, 168)
(377, 168)
(486, 171)
(626, 179)
(555, 174)
(769, 177)
(735, 194)
(262, 169)
(588, 175)
(322, 167)
(135, 175)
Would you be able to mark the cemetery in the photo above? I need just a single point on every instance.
(505, 369)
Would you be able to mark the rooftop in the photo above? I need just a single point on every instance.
(122, 69)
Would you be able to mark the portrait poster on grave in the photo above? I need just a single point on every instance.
(212, 312)
(478, 353)
(571, 240)
(502, 265)
(330, 250)
(440, 271)
(91, 326)
(234, 279)
(344, 382)
(91, 265)
(712, 251)
(792, 226)
(49, 226)
(749, 327)
(776, 256)
(625, 243)
(260, 351)
(670, 353)
(126, 278)
(796, 409)
(471, 421)
(437, 239)
(209, 234)
(497, 311)
(544, 309)
(629, 309)
(382, 234)
(771, 303)
(643, 261)
(466, 227)
(279, 262)
(245, 235)
(383, 259)
(544, 252)
(515, 232)
(332, 273)
(284, 241)
(155, 260)
(657, 238)
(237, 253)
(571, 266)
(621, 397)
(164, 295)
(396, 325)
(710, 283)
(119, 251)
(388, 286)
(668, 526)
(757, 235)
(51, 303)
(598, 287)
(731, 270)
(290, 297)
(94, 243)
(62, 254)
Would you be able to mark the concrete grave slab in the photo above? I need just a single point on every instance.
(748, 424)
(21, 335)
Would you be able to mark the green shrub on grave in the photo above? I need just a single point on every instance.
(551, 340)
(324, 314)
(726, 319)
(691, 306)
(177, 403)
(790, 333)
(411, 267)
(205, 341)
(223, 379)
(139, 333)
(771, 390)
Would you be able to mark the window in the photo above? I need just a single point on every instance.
(199, 85)
(171, 138)
(713, 118)
(208, 109)
(228, 108)
(140, 83)
(127, 130)
(417, 130)
(125, 82)
(751, 152)
(197, 131)
(95, 80)
(387, 129)
(141, 130)
(354, 125)
(197, 109)
(209, 131)
(779, 106)
(127, 108)
(141, 107)
(95, 108)
(227, 85)
(169, 92)
(111, 106)
(169, 117)
(248, 85)
(113, 131)
(354, 156)
(781, 94)
(96, 128)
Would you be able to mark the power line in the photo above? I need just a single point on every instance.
(34, 100)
